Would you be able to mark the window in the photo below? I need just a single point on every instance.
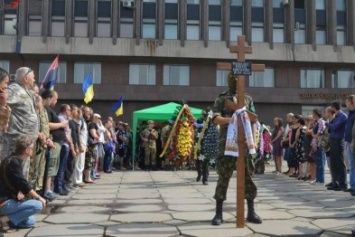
(320, 4)
(10, 22)
(58, 18)
(257, 3)
(341, 35)
(171, 20)
(126, 28)
(236, 2)
(193, 20)
(5, 65)
(176, 75)
(81, 18)
(81, 70)
(277, 3)
(257, 32)
(149, 19)
(235, 31)
(62, 71)
(103, 28)
(214, 2)
(35, 18)
(214, 20)
(312, 78)
(308, 109)
(222, 77)
(300, 33)
(262, 79)
(321, 35)
(343, 79)
(299, 4)
(142, 74)
(278, 33)
(340, 5)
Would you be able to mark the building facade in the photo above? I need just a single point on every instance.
(155, 51)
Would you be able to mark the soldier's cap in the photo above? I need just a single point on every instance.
(150, 122)
(97, 116)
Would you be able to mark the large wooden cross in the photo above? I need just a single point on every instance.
(240, 49)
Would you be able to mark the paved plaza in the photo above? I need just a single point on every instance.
(162, 204)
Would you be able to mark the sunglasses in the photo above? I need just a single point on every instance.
(28, 72)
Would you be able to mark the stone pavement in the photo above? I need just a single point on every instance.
(162, 204)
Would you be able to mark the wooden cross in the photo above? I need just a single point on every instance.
(240, 49)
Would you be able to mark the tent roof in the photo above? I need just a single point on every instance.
(163, 112)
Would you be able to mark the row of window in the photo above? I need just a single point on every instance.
(145, 74)
(104, 27)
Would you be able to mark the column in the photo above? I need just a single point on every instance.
(115, 20)
(160, 20)
(138, 21)
(92, 19)
(350, 6)
(226, 22)
(46, 19)
(204, 21)
(331, 22)
(69, 20)
(269, 21)
(247, 21)
(290, 22)
(2, 3)
(311, 18)
(182, 22)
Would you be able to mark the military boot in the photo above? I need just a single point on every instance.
(218, 218)
(198, 168)
(252, 216)
(205, 172)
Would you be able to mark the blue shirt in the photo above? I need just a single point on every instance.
(337, 125)
(349, 126)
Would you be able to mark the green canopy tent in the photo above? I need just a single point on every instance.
(163, 112)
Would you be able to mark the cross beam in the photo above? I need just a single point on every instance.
(240, 49)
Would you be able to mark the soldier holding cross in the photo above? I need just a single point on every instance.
(227, 164)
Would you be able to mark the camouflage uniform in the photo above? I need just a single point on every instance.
(150, 147)
(227, 164)
(38, 161)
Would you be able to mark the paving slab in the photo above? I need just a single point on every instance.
(78, 218)
(338, 204)
(144, 230)
(339, 226)
(207, 230)
(200, 216)
(140, 208)
(141, 217)
(140, 201)
(97, 196)
(189, 208)
(84, 209)
(91, 202)
(285, 228)
(320, 213)
(188, 201)
(67, 231)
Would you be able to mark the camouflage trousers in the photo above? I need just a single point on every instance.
(90, 157)
(150, 154)
(37, 168)
(225, 168)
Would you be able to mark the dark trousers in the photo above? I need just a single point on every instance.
(59, 179)
(70, 169)
(337, 165)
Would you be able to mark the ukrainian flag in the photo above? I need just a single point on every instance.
(117, 108)
(88, 88)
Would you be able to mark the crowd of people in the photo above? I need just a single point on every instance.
(308, 143)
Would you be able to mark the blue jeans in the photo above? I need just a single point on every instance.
(319, 160)
(107, 161)
(349, 154)
(21, 213)
(59, 179)
(287, 153)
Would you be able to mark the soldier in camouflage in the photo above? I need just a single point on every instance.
(149, 137)
(227, 164)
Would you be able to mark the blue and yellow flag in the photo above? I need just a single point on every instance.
(88, 88)
(117, 108)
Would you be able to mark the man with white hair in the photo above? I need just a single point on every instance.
(23, 119)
